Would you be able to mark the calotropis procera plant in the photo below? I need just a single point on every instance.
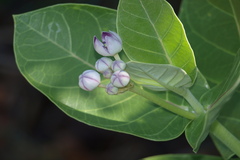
(168, 93)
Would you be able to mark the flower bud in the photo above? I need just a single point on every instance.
(111, 89)
(89, 80)
(111, 44)
(118, 65)
(103, 64)
(120, 78)
(108, 73)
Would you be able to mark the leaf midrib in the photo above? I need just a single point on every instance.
(235, 17)
(158, 37)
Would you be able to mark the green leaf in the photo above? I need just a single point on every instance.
(232, 7)
(198, 130)
(200, 86)
(152, 33)
(215, 49)
(235, 4)
(159, 76)
(53, 46)
(213, 34)
(172, 78)
(183, 157)
(229, 118)
(221, 93)
(213, 100)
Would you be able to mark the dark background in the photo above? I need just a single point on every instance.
(32, 128)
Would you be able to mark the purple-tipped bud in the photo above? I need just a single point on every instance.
(89, 80)
(108, 73)
(111, 44)
(111, 89)
(120, 79)
(103, 64)
(118, 65)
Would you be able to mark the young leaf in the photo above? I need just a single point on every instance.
(169, 77)
(53, 46)
(213, 34)
(152, 33)
(159, 76)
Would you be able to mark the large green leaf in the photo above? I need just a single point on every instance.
(53, 46)
(221, 93)
(152, 33)
(183, 157)
(231, 7)
(213, 100)
(213, 34)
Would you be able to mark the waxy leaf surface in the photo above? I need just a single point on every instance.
(152, 33)
(159, 76)
(213, 33)
(53, 46)
(170, 82)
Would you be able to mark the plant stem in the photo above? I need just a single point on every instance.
(197, 107)
(102, 85)
(116, 56)
(226, 137)
(163, 103)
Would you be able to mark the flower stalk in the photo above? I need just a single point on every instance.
(163, 103)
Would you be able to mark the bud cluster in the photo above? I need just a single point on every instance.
(113, 70)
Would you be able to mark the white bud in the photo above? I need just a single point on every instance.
(89, 80)
(103, 64)
(120, 78)
(108, 73)
(111, 89)
(111, 44)
(118, 65)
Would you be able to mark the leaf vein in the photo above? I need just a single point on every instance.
(58, 45)
(155, 30)
(69, 32)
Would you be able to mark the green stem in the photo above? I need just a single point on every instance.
(197, 107)
(163, 103)
(102, 85)
(226, 137)
(116, 56)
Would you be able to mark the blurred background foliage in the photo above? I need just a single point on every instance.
(31, 127)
